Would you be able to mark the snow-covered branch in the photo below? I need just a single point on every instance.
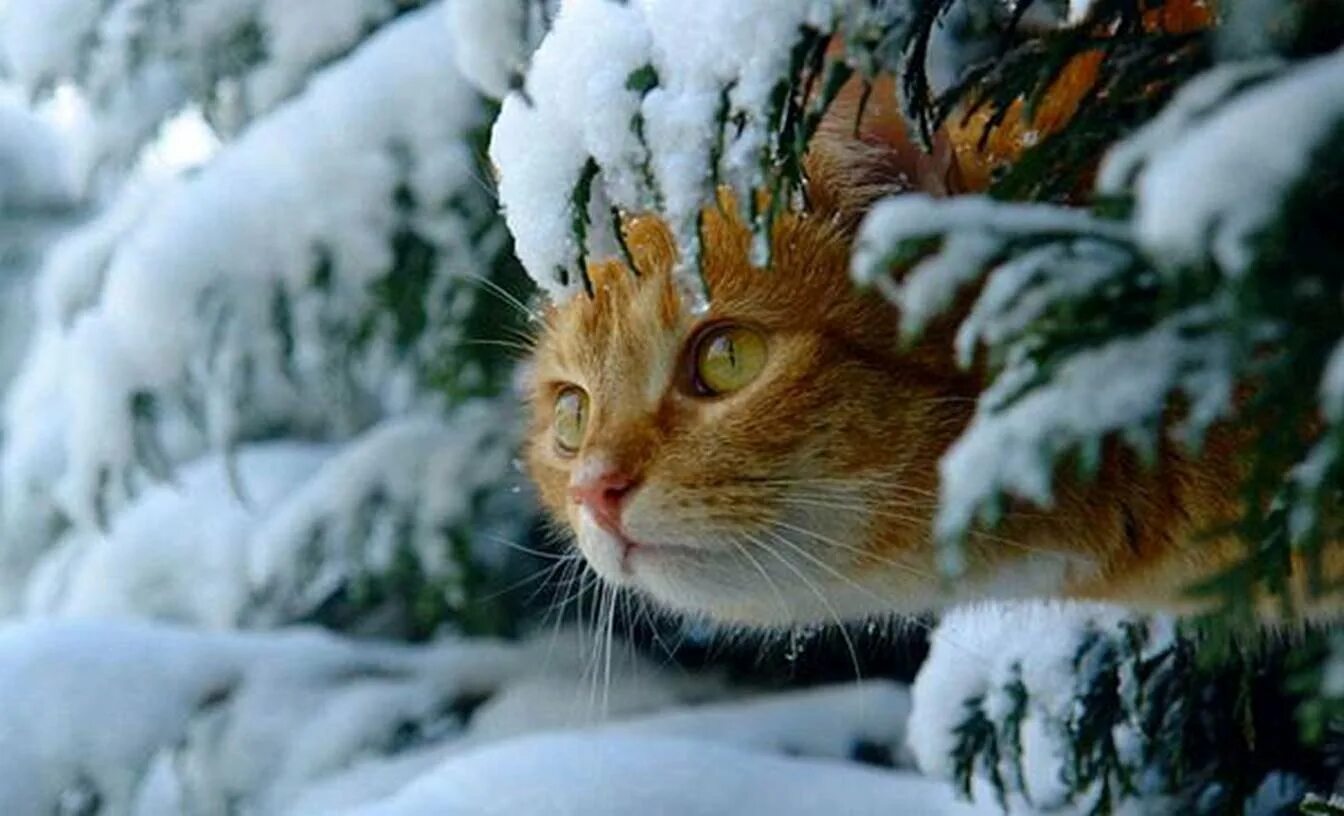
(306, 278)
(139, 62)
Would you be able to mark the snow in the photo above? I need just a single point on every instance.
(1332, 385)
(144, 718)
(34, 172)
(1079, 10)
(580, 94)
(401, 485)
(1015, 438)
(1023, 290)
(39, 201)
(155, 562)
(922, 252)
(492, 40)
(1212, 182)
(560, 774)
(974, 231)
(245, 716)
(181, 314)
(196, 441)
(291, 523)
(977, 654)
(821, 722)
(141, 61)
(35, 410)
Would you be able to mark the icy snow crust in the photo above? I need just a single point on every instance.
(582, 105)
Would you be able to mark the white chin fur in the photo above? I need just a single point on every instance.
(725, 586)
(601, 549)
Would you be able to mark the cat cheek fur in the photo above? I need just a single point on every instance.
(762, 506)
(768, 484)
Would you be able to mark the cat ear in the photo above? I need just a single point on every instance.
(863, 151)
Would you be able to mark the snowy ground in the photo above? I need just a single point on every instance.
(150, 719)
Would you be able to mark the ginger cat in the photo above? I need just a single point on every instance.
(775, 460)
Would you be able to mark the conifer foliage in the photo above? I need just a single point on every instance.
(1191, 277)
(304, 332)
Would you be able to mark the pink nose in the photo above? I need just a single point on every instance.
(603, 495)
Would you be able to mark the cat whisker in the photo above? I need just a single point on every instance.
(918, 573)
(646, 616)
(854, 502)
(821, 596)
(522, 349)
(928, 627)
(503, 294)
(577, 573)
(565, 568)
(850, 485)
(513, 545)
(827, 568)
(610, 646)
(486, 180)
(592, 673)
(545, 574)
(883, 494)
(769, 582)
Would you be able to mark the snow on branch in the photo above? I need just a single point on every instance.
(969, 233)
(403, 512)
(1210, 174)
(158, 561)
(402, 494)
(493, 39)
(34, 171)
(307, 278)
(139, 62)
(646, 106)
(154, 717)
(1091, 323)
(1054, 708)
(1030, 417)
(1084, 708)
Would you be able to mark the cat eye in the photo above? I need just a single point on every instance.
(571, 419)
(728, 358)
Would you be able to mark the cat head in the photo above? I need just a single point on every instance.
(770, 461)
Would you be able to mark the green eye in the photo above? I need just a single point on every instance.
(571, 419)
(728, 358)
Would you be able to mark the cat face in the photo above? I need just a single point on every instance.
(771, 461)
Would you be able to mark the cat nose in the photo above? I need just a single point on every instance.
(603, 493)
